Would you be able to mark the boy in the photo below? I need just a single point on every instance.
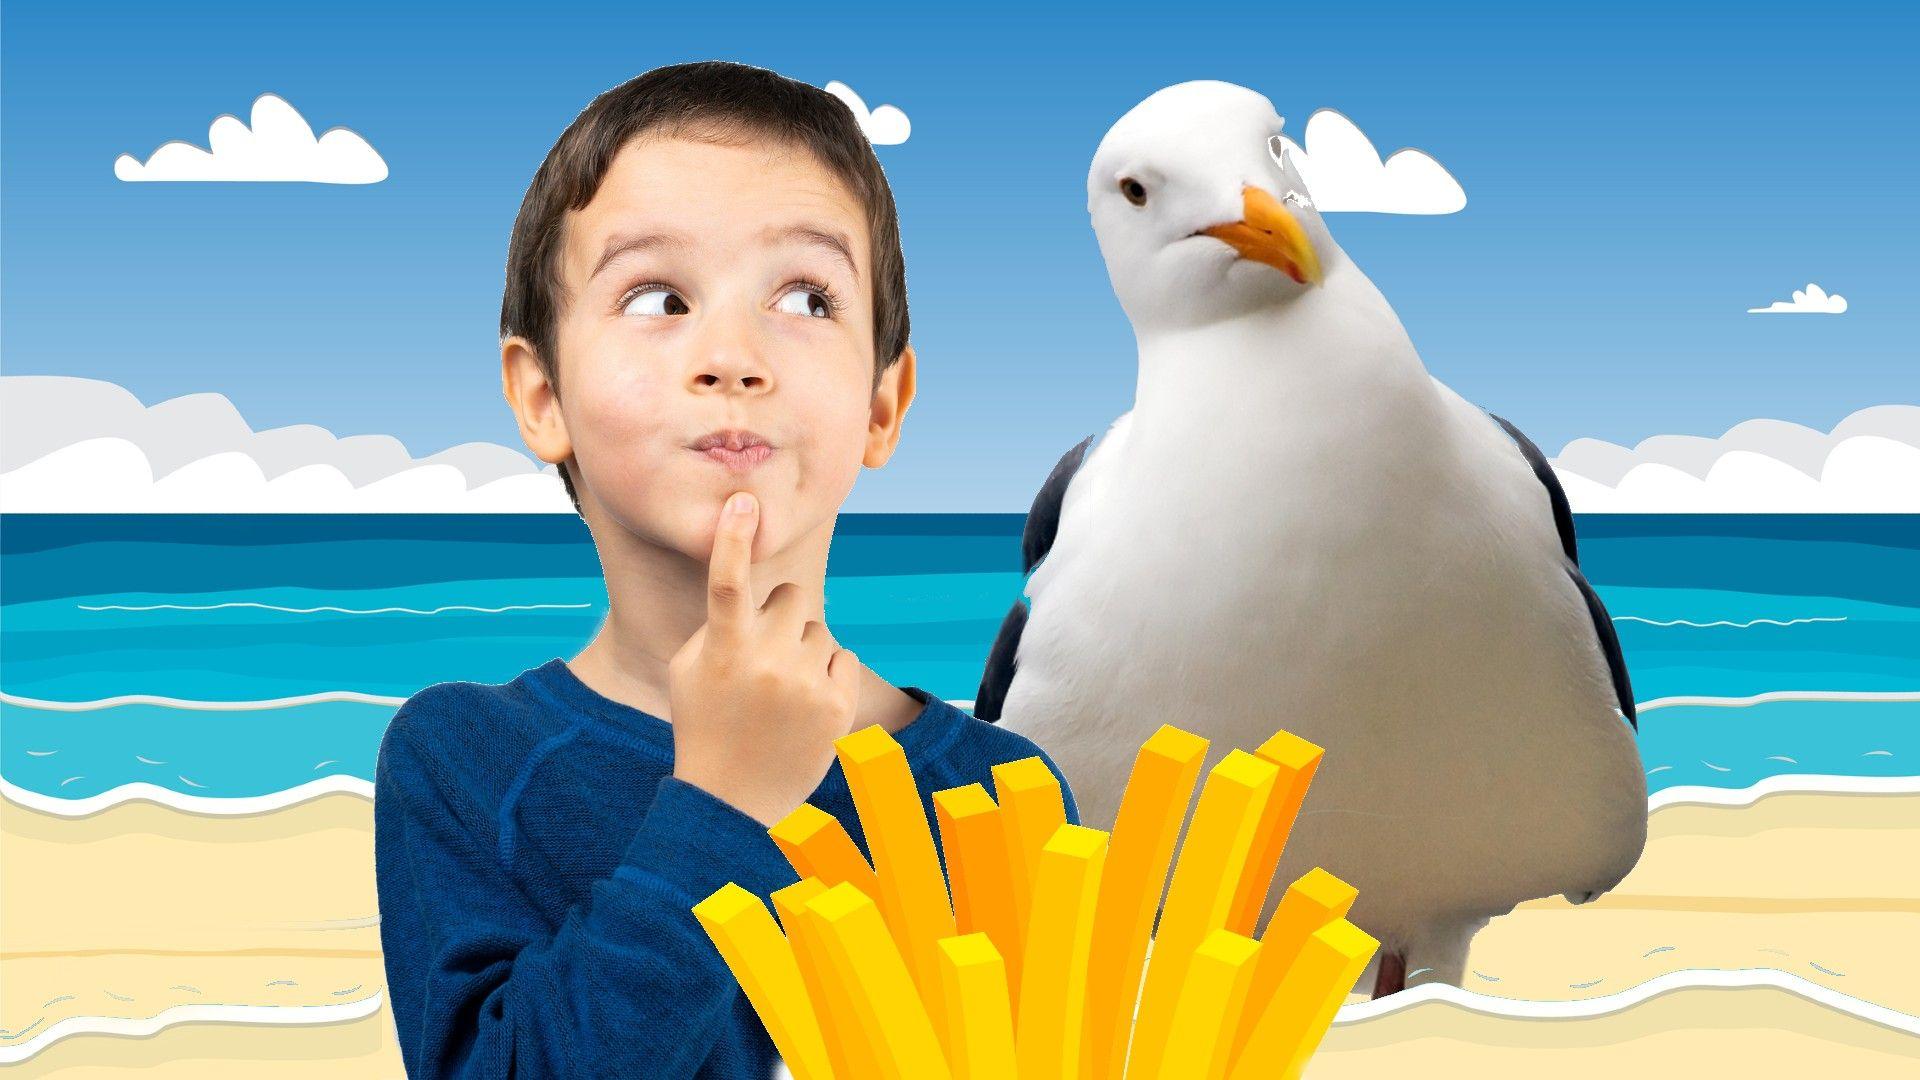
(705, 296)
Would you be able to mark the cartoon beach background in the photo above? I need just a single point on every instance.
(257, 486)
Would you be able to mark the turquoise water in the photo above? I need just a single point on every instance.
(258, 608)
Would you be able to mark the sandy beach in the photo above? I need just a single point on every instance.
(139, 908)
(1813, 891)
(1812, 899)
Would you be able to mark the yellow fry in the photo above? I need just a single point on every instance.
(1054, 975)
(764, 964)
(849, 1047)
(817, 845)
(1144, 833)
(913, 896)
(1310, 903)
(975, 844)
(979, 1015)
(1031, 808)
(1292, 1024)
(1298, 759)
(1210, 1006)
(862, 958)
(1205, 882)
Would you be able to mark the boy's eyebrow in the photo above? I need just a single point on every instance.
(822, 238)
(620, 243)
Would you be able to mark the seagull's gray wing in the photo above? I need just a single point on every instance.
(1563, 523)
(1036, 539)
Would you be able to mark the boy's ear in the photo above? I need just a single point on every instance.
(890, 401)
(533, 401)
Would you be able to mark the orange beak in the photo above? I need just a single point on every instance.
(1267, 233)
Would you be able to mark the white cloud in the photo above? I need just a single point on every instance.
(1869, 463)
(279, 146)
(885, 126)
(1813, 300)
(70, 445)
(1343, 172)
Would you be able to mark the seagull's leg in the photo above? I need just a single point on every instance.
(1440, 954)
(1392, 977)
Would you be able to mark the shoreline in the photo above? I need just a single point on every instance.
(347, 784)
(1785, 912)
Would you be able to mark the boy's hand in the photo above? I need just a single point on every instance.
(758, 694)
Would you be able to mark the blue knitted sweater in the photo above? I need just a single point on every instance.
(537, 864)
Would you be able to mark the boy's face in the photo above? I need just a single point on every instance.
(715, 288)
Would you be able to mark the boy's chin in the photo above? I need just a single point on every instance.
(688, 528)
(705, 524)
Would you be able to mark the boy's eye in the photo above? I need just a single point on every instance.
(809, 302)
(656, 301)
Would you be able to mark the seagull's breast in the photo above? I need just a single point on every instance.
(1393, 595)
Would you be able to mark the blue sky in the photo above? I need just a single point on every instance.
(1636, 179)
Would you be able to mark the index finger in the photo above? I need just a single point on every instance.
(729, 592)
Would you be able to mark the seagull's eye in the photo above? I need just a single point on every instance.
(655, 300)
(1134, 190)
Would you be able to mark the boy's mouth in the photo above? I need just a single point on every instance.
(738, 460)
(736, 448)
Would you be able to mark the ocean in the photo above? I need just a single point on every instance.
(247, 661)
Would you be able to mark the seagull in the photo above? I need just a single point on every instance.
(1297, 527)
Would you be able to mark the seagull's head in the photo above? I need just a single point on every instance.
(1200, 213)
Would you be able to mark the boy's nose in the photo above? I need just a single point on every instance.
(731, 363)
(729, 376)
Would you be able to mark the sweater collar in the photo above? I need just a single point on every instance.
(926, 736)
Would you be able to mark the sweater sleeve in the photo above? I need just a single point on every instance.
(482, 986)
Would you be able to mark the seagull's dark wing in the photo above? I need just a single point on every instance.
(1563, 523)
(1562, 512)
(1609, 644)
(1036, 539)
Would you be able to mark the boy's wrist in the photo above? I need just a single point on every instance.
(765, 811)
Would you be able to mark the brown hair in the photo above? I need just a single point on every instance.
(713, 101)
